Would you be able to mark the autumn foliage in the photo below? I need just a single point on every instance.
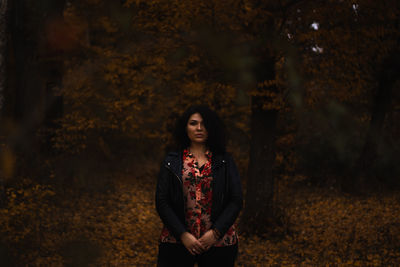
(39, 227)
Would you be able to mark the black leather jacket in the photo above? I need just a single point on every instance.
(227, 199)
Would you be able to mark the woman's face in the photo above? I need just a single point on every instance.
(196, 130)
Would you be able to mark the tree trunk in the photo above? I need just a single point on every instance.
(36, 67)
(3, 47)
(18, 59)
(258, 213)
(386, 80)
(32, 72)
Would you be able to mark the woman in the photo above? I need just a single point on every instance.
(198, 195)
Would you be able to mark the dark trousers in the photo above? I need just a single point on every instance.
(176, 255)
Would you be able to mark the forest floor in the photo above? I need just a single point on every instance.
(120, 227)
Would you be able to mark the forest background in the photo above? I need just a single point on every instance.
(308, 90)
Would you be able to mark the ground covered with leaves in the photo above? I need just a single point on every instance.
(119, 227)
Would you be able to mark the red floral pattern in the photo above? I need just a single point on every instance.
(197, 193)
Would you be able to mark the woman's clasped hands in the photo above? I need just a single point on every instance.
(197, 246)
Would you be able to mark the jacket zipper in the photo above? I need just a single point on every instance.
(223, 193)
(173, 173)
(217, 166)
(183, 202)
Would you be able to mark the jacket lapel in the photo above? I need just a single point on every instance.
(174, 161)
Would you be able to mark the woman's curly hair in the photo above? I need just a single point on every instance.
(216, 140)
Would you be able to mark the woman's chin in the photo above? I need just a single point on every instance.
(200, 141)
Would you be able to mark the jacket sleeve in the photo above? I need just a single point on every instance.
(163, 204)
(235, 199)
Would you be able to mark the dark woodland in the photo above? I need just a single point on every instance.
(308, 90)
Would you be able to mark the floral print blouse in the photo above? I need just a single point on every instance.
(197, 192)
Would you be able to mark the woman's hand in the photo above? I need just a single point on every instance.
(192, 244)
(208, 239)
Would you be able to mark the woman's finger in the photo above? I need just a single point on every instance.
(200, 248)
(200, 244)
(192, 251)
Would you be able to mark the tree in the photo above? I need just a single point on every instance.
(345, 54)
(386, 73)
(157, 67)
(3, 45)
(3, 42)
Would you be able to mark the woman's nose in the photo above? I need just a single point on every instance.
(199, 127)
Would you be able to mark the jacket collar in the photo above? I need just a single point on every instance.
(173, 160)
(217, 161)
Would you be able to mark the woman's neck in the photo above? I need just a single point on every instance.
(197, 148)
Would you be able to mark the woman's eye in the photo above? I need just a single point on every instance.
(193, 123)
